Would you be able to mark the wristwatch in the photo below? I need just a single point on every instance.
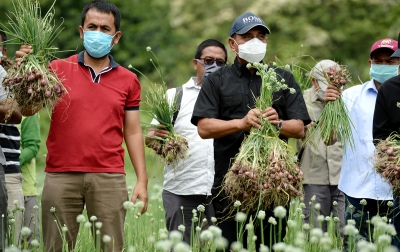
(279, 125)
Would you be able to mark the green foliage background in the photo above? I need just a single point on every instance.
(342, 30)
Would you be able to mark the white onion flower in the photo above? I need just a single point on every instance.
(35, 243)
(237, 204)
(163, 245)
(240, 217)
(384, 239)
(236, 246)
(280, 212)
(181, 247)
(272, 220)
(206, 235)
(280, 246)
(106, 238)
(350, 230)
(261, 215)
(216, 231)
(25, 231)
(181, 228)
(87, 225)
(80, 218)
(220, 243)
(98, 224)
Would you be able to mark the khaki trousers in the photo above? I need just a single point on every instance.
(102, 193)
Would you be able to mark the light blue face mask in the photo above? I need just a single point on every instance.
(1, 54)
(96, 43)
(382, 73)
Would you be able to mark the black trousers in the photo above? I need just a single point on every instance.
(175, 215)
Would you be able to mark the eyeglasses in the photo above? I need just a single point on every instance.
(210, 61)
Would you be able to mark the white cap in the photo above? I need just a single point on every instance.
(318, 72)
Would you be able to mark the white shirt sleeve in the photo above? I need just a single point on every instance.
(3, 92)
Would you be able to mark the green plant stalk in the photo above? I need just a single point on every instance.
(270, 235)
(369, 228)
(279, 230)
(362, 215)
(237, 226)
(250, 234)
(262, 231)
(334, 119)
(98, 239)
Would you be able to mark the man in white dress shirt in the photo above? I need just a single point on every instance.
(366, 191)
(189, 184)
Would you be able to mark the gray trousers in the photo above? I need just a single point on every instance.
(325, 195)
(31, 217)
(173, 212)
(3, 209)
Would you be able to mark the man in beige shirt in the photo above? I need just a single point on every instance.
(320, 163)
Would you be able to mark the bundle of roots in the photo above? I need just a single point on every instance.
(32, 86)
(265, 183)
(171, 149)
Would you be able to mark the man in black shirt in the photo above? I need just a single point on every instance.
(387, 121)
(387, 108)
(225, 109)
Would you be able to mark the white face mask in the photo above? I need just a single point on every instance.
(253, 50)
(320, 94)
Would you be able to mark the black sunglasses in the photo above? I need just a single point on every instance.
(210, 61)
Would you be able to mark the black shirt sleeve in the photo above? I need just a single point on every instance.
(387, 109)
(207, 102)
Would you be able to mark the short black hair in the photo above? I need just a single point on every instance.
(207, 43)
(3, 37)
(103, 6)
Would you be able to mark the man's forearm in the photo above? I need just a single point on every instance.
(135, 146)
(9, 112)
(14, 118)
(292, 128)
(216, 128)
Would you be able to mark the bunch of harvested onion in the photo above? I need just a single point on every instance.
(30, 80)
(335, 120)
(172, 148)
(387, 161)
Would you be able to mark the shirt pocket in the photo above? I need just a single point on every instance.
(232, 107)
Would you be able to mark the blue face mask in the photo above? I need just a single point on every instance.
(382, 73)
(97, 44)
(1, 54)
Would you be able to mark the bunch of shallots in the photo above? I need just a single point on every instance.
(387, 161)
(172, 148)
(335, 120)
(30, 80)
(270, 180)
(32, 87)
